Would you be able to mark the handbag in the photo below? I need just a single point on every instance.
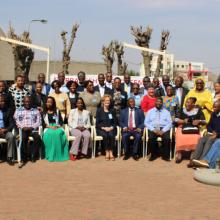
(190, 129)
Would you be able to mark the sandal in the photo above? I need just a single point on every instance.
(107, 158)
(112, 158)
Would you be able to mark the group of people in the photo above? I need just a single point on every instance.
(160, 107)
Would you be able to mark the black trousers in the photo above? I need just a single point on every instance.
(126, 141)
(153, 145)
(108, 139)
(34, 147)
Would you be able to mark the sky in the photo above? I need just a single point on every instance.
(194, 26)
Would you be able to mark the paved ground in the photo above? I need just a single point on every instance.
(104, 190)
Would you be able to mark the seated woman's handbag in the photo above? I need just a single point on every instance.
(189, 128)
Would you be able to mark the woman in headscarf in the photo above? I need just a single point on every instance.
(203, 97)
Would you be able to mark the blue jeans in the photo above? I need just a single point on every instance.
(213, 154)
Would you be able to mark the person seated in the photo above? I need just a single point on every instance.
(190, 120)
(9, 102)
(79, 124)
(213, 129)
(101, 87)
(45, 86)
(170, 102)
(132, 124)
(106, 126)
(72, 94)
(136, 95)
(38, 98)
(28, 119)
(210, 159)
(6, 126)
(61, 98)
(148, 101)
(54, 137)
(159, 123)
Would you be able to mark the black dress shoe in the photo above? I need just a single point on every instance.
(126, 157)
(152, 158)
(33, 160)
(166, 159)
(10, 162)
(136, 157)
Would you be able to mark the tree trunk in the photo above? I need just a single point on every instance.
(159, 61)
(146, 60)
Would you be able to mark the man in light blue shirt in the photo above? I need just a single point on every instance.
(158, 122)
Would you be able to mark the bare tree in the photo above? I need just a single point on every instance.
(23, 56)
(142, 39)
(165, 37)
(108, 56)
(67, 48)
(119, 50)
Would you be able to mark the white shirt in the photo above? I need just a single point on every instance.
(109, 85)
(102, 90)
(63, 89)
(179, 93)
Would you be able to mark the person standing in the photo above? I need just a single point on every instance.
(45, 86)
(127, 84)
(101, 87)
(61, 98)
(81, 81)
(91, 98)
(203, 97)
(18, 91)
(180, 91)
(61, 80)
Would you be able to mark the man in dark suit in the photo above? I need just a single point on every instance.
(132, 124)
(101, 87)
(127, 84)
(180, 91)
(6, 126)
(46, 86)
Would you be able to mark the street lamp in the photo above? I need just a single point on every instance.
(43, 21)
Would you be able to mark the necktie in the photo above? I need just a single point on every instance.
(158, 119)
(131, 120)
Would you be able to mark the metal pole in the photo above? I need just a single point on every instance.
(48, 65)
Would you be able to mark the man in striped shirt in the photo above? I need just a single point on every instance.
(28, 119)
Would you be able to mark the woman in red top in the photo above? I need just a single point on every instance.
(148, 102)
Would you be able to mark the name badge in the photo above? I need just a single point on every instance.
(110, 116)
(94, 101)
(122, 96)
